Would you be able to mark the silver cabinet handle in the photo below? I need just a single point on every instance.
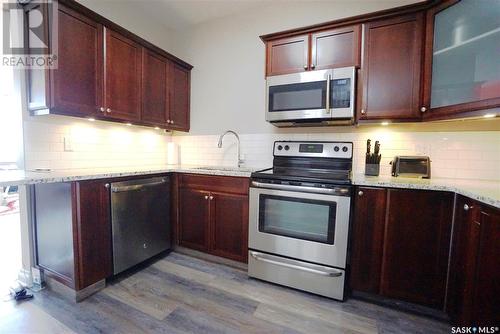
(211, 197)
(106, 185)
(305, 67)
(102, 109)
(423, 109)
(108, 110)
(313, 66)
(363, 111)
(261, 257)
(328, 78)
(168, 121)
(360, 193)
(206, 197)
(171, 121)
(467, 207)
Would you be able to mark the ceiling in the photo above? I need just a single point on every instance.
(181, 14)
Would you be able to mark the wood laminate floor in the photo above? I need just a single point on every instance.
(181, 294)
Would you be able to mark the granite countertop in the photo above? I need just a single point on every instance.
(487, 192)
(24, 177)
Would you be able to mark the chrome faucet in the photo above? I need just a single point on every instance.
(219, 145)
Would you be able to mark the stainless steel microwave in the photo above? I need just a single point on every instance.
(324, 97)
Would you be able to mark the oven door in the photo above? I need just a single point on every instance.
(298, 96)
(300, 225)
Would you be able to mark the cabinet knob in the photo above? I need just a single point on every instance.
(363, 111)
(171, 121)
(467, 207)
(106, 185)
(305, 67)
(423, 109)
(211, 197)
(206, 196)
(102, 109)
(313, 66)
(108, 110)
(360, 193)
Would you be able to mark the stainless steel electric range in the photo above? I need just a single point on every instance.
(299, 217)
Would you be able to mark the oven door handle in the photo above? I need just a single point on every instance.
(261, 257)
(335, 191)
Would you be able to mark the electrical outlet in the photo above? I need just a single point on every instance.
(68, 144)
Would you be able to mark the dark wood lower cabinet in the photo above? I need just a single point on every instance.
(401, 243)
(213, 215)
(73, 232)
(194, 216)
(474, 289)
(229, 221)
(367, 239)
(416, 246)
(92, 232)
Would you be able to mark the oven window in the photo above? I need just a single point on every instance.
(301, 96)
(298, 218)
(340, 93)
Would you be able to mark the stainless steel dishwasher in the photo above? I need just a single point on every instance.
(140, 219)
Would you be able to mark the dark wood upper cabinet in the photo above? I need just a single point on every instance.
(367, 239)
(461, 73)
(391, 68)
(416, 246)
(78, 80)
(287, 55)
(229, 223)
(179, 97)
(105, 72)
(155, 76)
(123, 70)
(336, 48)
(92, 232)
(473, 292)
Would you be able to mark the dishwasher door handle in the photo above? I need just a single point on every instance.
(137, 187)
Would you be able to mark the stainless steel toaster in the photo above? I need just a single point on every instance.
(411, 166)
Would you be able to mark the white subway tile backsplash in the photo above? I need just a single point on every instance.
(453, 154)
(94, 145)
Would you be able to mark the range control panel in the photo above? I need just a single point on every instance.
(318, 149)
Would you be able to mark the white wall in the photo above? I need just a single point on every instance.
(227, 82)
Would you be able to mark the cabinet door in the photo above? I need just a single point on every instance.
(367, 239)
(92, 232)
(229, 226)
(194, 219)
(336, 48)
(486, 296)
(391, 68)
(179, 97)
(463, 264)
(462, 67)
(416, 246)
(122, 77)
(287, 55)
(77, 82)
(155, 70)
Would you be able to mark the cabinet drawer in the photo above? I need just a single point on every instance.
(227, 184)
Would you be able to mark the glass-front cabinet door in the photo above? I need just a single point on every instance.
(463, 65)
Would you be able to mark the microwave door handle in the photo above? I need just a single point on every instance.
(328, 79)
